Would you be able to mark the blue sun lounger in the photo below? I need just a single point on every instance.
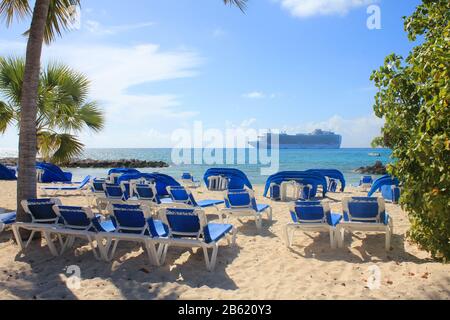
(242, 203)
(44, 220)
(56, 189)
(183, 195)
(312, 216)
(365, 214)
(188, 180)
(79, 222)
(188, 227)
(7, 219)
(133, 223)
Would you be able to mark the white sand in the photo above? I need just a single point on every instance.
(260, 267)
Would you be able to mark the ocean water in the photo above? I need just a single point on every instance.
(346, 160)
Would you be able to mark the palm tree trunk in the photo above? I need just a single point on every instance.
(26, 184)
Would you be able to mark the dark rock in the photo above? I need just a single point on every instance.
(378, 169)
(123, 163)
(90, 163)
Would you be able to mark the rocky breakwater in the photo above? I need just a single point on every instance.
(123, 163)
(91, 163)
(378, 169)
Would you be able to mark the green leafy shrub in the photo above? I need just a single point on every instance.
(414, 98)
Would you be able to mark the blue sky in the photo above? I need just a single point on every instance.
(294, 65)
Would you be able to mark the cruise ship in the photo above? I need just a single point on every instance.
(319, 139)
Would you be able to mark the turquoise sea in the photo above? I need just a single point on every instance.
(346, 160)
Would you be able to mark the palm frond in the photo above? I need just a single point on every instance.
(14, 8)
(63, 107)
(58, 19)
(92, 116)
(6, 116)
(69, 148)
(11, 78)
(241, 4)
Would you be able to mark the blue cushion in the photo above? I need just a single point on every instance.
(209, 203)
(103, 226)
(42, 209)
(157, 228)
(214, 231)
(384, 218)
(262, 207)
(334, 219)
(8, 218)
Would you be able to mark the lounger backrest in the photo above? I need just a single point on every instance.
(180, 194)
(184, 222)
(363, 209)
(77, 218)
(187, 176)
(85, 182)
(146, 192)
(98, 186)
(113, 191)
(130, 218)
(310, 212)
(41, 210)
(333, 185)
(366, 180)
(240, 199)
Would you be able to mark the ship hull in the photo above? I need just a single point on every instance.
(296, 146)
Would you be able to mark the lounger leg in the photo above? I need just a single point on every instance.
(113, 250)
(286, 236)
(103, 248)
(50, 244)
(340, 236)
(30, 238)
(269, 214)
(210, 264)
(332, 238)
(162, 253)
(389, 232)
(94, 249)
(2, 227)
(258, 222)
(152, 253)
(16, 232)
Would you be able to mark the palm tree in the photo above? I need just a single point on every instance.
(49, 18)
(62, 107)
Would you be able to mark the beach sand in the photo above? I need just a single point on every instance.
(259, 267)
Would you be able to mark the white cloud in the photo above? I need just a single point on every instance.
(356, 132)
(113, 70)
(308, 8)
(254, 95)
(97, 28)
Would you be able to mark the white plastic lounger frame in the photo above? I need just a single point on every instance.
(365, 186)
(190, 182)
(311, 226)
(365, 224)
(55, 189)
(284, 188)
(108, 249)
(45, 227)
(192, 240)
(246, 210)
(74, 232)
